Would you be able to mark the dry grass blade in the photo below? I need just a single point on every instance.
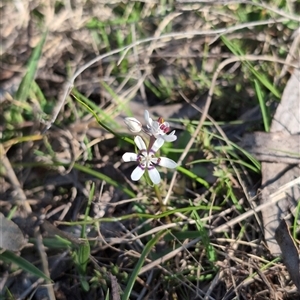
(21, 197)
(48, 289)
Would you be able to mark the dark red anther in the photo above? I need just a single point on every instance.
(164, 128)
(160, 120)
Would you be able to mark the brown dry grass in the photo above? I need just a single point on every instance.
(176, 48)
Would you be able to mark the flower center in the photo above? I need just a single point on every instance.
(147, 160)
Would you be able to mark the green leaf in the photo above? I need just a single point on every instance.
(83, 254)
(23, 90)
(193, 176)
(25, 265)
(140, 263)
(263, 107)
(81, 259)
(210, 251)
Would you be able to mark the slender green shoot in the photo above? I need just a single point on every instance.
(139, 264)
(264, 110)
(23, 264)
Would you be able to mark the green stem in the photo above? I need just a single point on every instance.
(158, 195)
(161, 204)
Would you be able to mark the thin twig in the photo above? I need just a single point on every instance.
(10, 173)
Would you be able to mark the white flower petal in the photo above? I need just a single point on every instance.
(146, 115)
(155, 126)
(157, 144)
(167, 162)
(154, 160)
(140, 143)
(170, 138)
(147, 118)
(154, 129)
(133, 124)
(137, 173)
(129, 156)
(154, 176)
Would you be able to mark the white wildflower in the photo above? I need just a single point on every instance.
(147, 161)
(159, 128)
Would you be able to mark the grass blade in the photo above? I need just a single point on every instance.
(25, 265)
(87, 107)
(139, 264)
(263, 107)
(24, 88)
(260, 77)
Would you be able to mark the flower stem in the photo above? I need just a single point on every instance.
(161, 204)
